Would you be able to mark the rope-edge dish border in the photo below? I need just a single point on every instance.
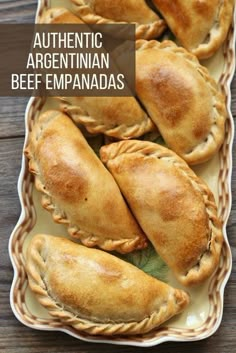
(28, 217)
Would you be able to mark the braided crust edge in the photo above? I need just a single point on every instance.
(123, 131)
(59, 216)
(205, 150)
(144, 31)
(209, 260)
(36, 267)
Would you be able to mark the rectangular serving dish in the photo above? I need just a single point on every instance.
(204, 314)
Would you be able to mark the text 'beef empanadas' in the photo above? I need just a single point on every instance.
(77, 188)
(174, 207)
(96, 292)
(119, 117)
(181, 98)
(148, 23)
(200, 26)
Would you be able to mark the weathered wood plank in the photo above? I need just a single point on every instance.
(17, 11)
(12, 111)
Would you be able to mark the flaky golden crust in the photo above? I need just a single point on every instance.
(119, 117)
(200, 26)
(181, 98)
(59, 15)
(77, 188)
(148, 24)
(96, 292)
(174, 207)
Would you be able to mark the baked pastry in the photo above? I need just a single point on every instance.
(96, 292)
(77, 188)
(181, 98)
(59, 15)
(119, 117)
(148, 23)
(200, 26)
(174, 207)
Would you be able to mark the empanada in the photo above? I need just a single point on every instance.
(96, 292)
(200, 26)
(77, 188)
(59, 15)
(148, 23)
(174, 207)
(181, 98)
(119, 117)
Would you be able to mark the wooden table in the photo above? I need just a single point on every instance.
(14, 337)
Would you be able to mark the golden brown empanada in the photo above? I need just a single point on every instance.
(201, 26)
(173, 206)
(181, 98)
(120, 117)
(59, 15)
(96, 292)
(148, 23)
(77, 188)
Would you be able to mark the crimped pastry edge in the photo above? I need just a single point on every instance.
(122, 131)
(145, 31)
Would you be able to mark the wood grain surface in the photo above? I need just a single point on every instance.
(15, 337)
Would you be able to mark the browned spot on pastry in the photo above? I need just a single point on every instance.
(64, 177)
(168, 211)
(160, 238)
(112, 112)
(67, 183)
(70, 299)
(108, 9)
(172, 95)
(171, 195)
(200, 131)
(203, 8)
